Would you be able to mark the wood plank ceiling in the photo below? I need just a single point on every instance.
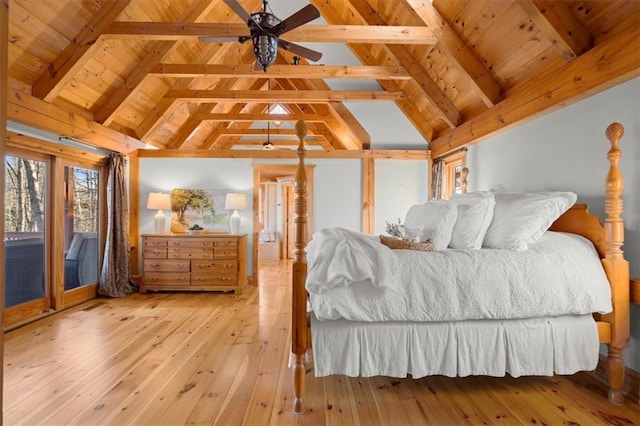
(124, 73)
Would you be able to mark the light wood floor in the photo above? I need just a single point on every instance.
(214, 358)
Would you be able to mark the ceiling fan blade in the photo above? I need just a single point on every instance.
(221, 39)
(312, 55)
(239, 10)
(301, 17)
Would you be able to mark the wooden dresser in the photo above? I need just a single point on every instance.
(194, 262)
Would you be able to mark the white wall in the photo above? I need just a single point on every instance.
(567, 150)
(399, 184)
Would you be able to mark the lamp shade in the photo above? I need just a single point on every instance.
(159, 201)
(235, 201)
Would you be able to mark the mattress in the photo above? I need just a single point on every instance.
(520, 347)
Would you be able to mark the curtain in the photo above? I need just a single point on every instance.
(436, 179)
(115, 279)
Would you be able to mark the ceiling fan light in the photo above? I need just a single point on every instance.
(268, 146)
(265, 47)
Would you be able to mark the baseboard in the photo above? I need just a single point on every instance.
(631, 379)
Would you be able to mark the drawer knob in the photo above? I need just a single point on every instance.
(228, 265)
(226, 279)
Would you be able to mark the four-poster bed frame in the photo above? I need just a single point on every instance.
(613, 328)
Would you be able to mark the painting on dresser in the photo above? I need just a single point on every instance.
(201, 207)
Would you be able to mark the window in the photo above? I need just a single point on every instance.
(81, 205)
(25, 230)
(453, 174)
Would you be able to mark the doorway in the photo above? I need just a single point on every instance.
(273, 213)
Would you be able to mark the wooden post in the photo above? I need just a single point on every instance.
(4, 77)
(299, 293)
(368, 192)
(617, 269)
(464, 182)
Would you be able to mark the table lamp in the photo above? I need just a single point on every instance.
(235, 202)
(160, 201)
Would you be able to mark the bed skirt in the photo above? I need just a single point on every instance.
(536, 346)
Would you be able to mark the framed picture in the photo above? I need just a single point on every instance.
(204, 208)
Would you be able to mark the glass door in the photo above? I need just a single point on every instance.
(81, 236)
(25, 238)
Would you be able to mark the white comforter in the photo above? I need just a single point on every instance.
(560, 274)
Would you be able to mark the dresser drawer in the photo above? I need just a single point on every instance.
(153, 265)
(191, 242)
(167, 278)
(230, 266)
(154, 253)
(226, 243)
(154, 242)
(214, 279)
(225, 253)
(191, 253)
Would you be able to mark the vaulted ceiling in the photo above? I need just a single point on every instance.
(125, 74)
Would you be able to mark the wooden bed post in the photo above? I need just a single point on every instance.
(617, 269)
(299, 293)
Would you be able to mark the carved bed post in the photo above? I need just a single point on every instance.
(617, 269)
(299, 293)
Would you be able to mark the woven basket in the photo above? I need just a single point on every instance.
(398, 244)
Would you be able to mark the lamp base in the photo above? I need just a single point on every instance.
(160, 222)
(234, 223)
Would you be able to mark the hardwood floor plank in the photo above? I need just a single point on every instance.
(218, 358)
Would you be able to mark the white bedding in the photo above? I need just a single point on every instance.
(560, 274)
(535, 346)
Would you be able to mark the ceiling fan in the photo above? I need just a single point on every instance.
(265, 30)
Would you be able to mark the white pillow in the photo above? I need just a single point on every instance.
(437, 219)
(520, 218)
(475, 211)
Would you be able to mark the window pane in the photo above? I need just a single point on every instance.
(81, 227)
(25, 204)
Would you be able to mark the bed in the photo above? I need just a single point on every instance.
(485, 335)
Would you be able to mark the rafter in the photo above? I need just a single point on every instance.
(563, 29)
(250, 118)
(604, 66)
(432, 91)
(459, 54)
(307, 33)
(79, 50)
(304, 96)
(284, 71)
(165, 106)
(154, 54)
(407, 106)
(193, 122)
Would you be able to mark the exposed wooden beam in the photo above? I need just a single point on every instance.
(165, 106)
(338, 117)
(250, 118)
(330, 129)
(79, 50)
(155, 52)
(362, 52)
(27, 109)
(301, 96)
(280, 142)
(306, 33)
(285, 71)
(260, 132)
(471, 69)
(606, 65)
(17, 140)
(448, 111)
(280, 153)
(563, 29)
